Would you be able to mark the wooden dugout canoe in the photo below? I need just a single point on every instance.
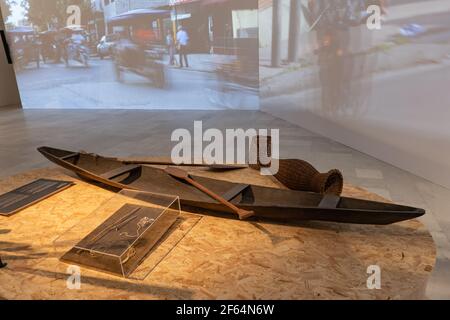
(268, 203)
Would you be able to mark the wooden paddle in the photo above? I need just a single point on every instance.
(183, 175)
(169, 163)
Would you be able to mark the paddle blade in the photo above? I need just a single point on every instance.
(244, 214)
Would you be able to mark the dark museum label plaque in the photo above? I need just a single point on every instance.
(27, 195)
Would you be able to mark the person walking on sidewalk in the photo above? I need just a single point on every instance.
(183, 42)
(170, 42)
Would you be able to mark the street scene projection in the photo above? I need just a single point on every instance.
(135, 54)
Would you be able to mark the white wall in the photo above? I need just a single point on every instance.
(397, 109)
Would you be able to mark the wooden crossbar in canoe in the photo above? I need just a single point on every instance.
(120, 171)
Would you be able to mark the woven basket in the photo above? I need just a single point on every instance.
(300, 175)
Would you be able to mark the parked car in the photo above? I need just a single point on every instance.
(106, 45)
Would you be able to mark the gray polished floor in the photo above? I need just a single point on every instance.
(144, 133)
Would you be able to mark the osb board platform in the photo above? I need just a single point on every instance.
(217, 258)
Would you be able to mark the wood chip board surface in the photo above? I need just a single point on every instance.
(216, 258)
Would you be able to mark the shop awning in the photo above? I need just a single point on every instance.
(22, 30)
(178, 2)
(139, 14)
(203, 2)
(247, 3)
(210, 2)
(75, 28)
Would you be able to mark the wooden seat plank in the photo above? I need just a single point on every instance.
(330, 201)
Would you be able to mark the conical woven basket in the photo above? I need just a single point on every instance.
(300, 175)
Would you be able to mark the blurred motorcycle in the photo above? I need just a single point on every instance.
(140, 48)
(75, 46)
(77, 52)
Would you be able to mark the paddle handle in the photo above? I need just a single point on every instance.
(243, 214)
(169, 163)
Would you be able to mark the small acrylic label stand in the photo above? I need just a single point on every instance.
(121, 236)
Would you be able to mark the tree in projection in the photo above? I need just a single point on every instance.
(47, 13)
(5, 6)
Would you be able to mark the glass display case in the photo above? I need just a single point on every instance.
(121, 233)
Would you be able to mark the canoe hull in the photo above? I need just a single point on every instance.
(267, 203)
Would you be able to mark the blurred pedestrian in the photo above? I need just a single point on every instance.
(170, 42)
(78, 38)
(380, 3)
(183, 42)
(383, 5)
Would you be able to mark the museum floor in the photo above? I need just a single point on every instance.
(139, 133)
